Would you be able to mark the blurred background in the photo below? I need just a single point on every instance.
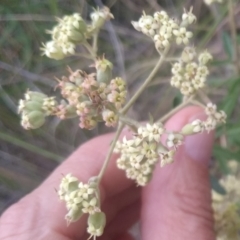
(28, 157)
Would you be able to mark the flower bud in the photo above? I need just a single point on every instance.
(52, 49)
(35, 96)
(188, 54)
(99, 17)
(29, 106)
(104, 70)
(96, 224)
(110, 118)
(73, 215)
(204, 57)
(191, 128)
(33, 120)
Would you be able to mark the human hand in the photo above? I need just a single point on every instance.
(175, 205)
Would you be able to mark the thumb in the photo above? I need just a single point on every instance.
(177, 202)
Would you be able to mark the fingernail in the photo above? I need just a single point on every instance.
(199, 146)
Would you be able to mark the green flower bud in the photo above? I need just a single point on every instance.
(33, 120)
(187, 129)
(35, 96)
(104, 70)
(192, 128)
(73, 215)
(100, 16)
(30, 106)
(54, 50)
(96, 224)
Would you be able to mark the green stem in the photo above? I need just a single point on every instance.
(105, 164)
(129, 122)
(203, 96)
(90, 49)
(95, 42)
(176, 109)
(147, 81)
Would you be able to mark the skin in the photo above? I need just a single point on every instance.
(176, 204)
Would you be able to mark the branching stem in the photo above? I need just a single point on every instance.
(109, 154)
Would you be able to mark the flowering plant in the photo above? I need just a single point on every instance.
(101, 97)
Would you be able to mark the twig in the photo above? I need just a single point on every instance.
(105, 164)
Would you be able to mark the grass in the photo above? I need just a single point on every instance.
(27, 157)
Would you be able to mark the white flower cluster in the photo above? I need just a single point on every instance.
(69, 31)
(164, 30)
(79, 198)
(82, 198)
(226, 207)
(188, 75)
(72, 30)
(34, 108)
(214, 118)
(209, 2)
(140, 154)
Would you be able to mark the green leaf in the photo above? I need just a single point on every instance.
(227, 44)
(223, 155)
(216, 185)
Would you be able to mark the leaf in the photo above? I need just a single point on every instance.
(223, 155)
(216, 185)
(227, 44)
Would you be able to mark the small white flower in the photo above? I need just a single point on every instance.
(122, 162)
(53, 49)
(221, 116)
(166, 157)
(176, 81)
(160, 17)
(198, 82)
(211, 109)
(204, 57)
(148, 25)
(189, 17)
(174, 140)
(85, 190)
(188, 54)
(161, 42)
(177, 68)
(142, 180)
(198, 126)
(202, 71)
(186, 88)
(210, 124)
(182, 35)
(90, 206)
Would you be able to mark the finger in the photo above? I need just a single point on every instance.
(177, 202)
(123, 221)
(42, 207)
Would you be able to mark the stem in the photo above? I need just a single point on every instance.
(147, 81)
(90, 49)
(203, 96)
(176, 109)
(95, 41)
(105, 164)
(83, 55)
(129, 122)
(233, 34)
